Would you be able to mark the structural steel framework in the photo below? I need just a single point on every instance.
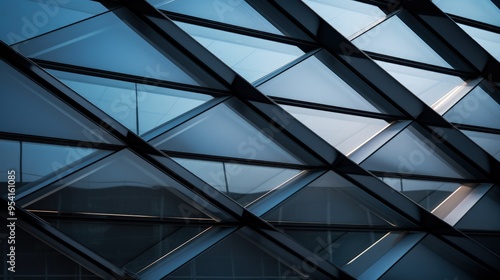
(257, 139)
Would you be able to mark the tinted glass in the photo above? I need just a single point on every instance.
(480, 10)
(484, 214)
(488, 141)
(490, 41)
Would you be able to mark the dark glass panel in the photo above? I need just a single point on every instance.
(484, 215)
(10, 153)
(488, 141)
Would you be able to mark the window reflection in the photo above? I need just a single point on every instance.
(481, 10)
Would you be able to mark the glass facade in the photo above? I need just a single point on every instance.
(248, 139)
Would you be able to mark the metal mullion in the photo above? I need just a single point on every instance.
(424, 177)
(58, 141)
(475, 23)
(477, 128)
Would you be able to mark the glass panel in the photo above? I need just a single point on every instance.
(348, 17)
(333, 200)
(237, 12)
(313, 81)
(344, 132)
(241, 182)
(159, 105)
(251, 57)
(10, 152)
(488, 141)
(491, 242)
(428, 194)
(490, 41)
(236, 138)
(393, 37)
(476, 108)
(133, 246)
(35, 260)
(410, 152)
(24, 19)
(426, 85)
(48, 116)
(484, 214)
(122, 184)
(39, 160)
(235, 258)
(113, 47)
(440, 262)
(482, 10)
(336, 247)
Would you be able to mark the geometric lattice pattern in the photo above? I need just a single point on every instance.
(250, 139)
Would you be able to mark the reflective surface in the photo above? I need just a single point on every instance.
(490, 41)
(488, 141)
(481, 10)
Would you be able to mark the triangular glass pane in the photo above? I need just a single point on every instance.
(410, 152)
(484, 214)
(128, 245)
(237, 13)
(477, 108)
(242, 182)
(348, 17)
(337, 247)
(138, 107)
(484, 11)
(236, 138)
(235, 257)
(120, 185)
(490, 41)
(36, 260)
(426, 85)
(345, 132)
(251, 57)
(488, 141)
(329, 89)
(393, 37)
(24, 19)
(428, 194)
(114, 46)
(331, 200)
(39, 160)
(48, 116)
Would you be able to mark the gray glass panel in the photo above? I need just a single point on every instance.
(348, 17)
(24, 19)
(48, 116)
(251, 57)
(393, 37)
(490, 41)
(476, 108)
(480, 10)
(121, 184)
(344, 132)
(332, 200)
(113, 46)
(426, 85)
(235, 257)
(488, 141)
(313, 81)
(224, 132)
(243, 183)
(232, 12)
(484, 214)
(409, 152)
(429, 194)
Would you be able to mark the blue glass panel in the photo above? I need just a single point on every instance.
(114, 46)
(429, 194)
(121, 184)
(313, 81)
(333, 200)
(48, 116)
(393, 37)
(10, 152)
(39, 160)
(237, 12)
(158, 105)
(410, 152)
(345, 132)
(24, 19)
(484, 214)
(251, 57)
(488, 141)
(490, 41)
(243, 183)
(236, 138)
(426, 85)
(476, 108)
(348, 17)
(480, 10)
